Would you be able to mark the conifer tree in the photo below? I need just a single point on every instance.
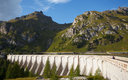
(31, 74)
(9, 71)
(77, 71)
(54, 73)
(26, 72)
(71, 74)
(3, 66)
(22, 72)
(16, 70)
(47, 70)
(98, 75)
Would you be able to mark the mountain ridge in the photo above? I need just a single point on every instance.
(95, 31)
(90, 31)
(20, 33)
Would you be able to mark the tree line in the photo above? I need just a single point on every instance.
(12, 70)
(52, 73)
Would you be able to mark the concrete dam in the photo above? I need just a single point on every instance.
(113, 69)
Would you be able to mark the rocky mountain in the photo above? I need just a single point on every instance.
(33, 33)
(91, 31)
(95, 31)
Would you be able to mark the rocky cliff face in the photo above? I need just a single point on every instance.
(33, 32)
(93, 29)
(98, 31)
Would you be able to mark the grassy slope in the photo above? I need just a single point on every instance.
(33, 25)
(22, 79)
(40, 43)
(119, 46)
(61, 44)
(64, 45)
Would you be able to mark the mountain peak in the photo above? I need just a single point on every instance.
(95, 30)
(123, 9)
(91, 12)
(37, 13)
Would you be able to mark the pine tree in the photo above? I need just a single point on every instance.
(9, 71)
(16, 70)
(2, 69)
(98, 75)
(47, 70)
(2, 73)
(22, 72)
(71, 74)
(31, 74)
(98, 72)
(26, 72)
(54, 73)
(77, 71)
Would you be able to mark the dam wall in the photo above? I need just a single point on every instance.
(110, 68)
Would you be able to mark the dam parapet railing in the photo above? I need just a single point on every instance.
(120, 64)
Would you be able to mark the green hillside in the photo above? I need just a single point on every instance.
(91, 31)
(29, 33)
(95, 31)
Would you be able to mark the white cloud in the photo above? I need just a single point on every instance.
(58, 1)
(45, 5)
(46, 8)
(9, 9)
(42, 5)
(38, 2)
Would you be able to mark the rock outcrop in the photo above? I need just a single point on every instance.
(32, 32)
(92, 29)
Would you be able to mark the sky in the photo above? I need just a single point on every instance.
(61, 11)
